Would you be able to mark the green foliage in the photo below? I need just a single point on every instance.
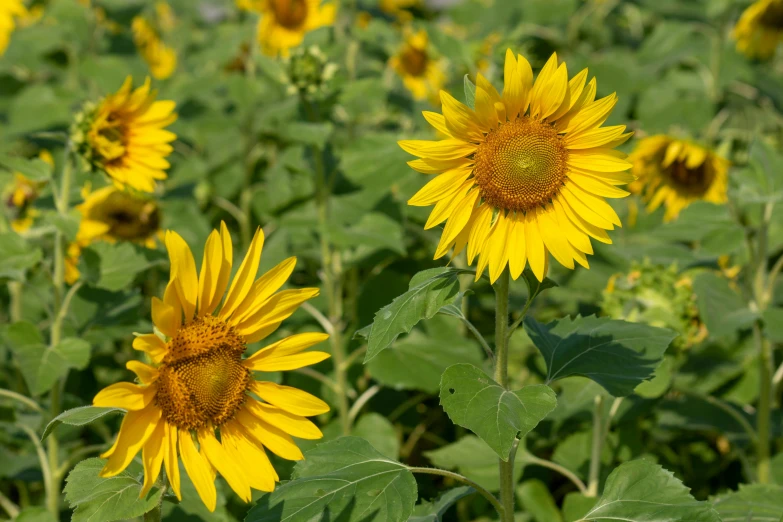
(751, 503)
(618, 355)
(473, 400)
(345, 479)
(107, 499)
(721, 306)
(435, 510)
(17, 256)
(112, 267)
(640, 491)
(78, 417)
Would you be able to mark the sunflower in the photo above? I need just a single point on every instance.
(284, 23)
(20, 195)
(161, 59)
(676, 173)
(111, 214)
(399, 8)
(760, 29)
(8, 10)
(421, 74)
(525, 174)
(199, 384)
(124, 136)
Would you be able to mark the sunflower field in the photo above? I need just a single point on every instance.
(391, 260)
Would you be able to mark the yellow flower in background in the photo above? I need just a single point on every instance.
(111, 214)
(199, 383)
(9, 9)
(124, 136)
(525, 174)
(399, 8)
(760, 29)
(284, 23)
(421, 74)
(20, 195)
(675, 173)
(164, 16)
(161, 59)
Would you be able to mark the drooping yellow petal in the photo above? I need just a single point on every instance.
(199, 471)
(459, 218)
(441, 186)
(438, 121)
(479, 232)
(259, 471)
(553, 236)
(152, 345)
(170, 460)
(289, 399)
(221, 460)
(278, 442)
(145, 373)
(517, 257)
(294, 425)
(152, 457)
(136, 429)
(536, 252)
(125, 395)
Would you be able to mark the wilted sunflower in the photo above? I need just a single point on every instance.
(161, 59)
(525, 174)
(198, 381)
(760, 29)
(8, 10)
(124, 136)
(111, 214)
(421, 73)
(676, 173)
(284, 23)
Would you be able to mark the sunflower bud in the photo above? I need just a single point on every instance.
(308, 72)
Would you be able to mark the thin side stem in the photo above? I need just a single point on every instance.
(363, 399)
(10, 508)
(50, 487)
(465, 480)
(22, 399)
(480, 339)
(515, 324)
(594, 475)
(741, 420)
(765, 404)
(536, 461)
(506, 468)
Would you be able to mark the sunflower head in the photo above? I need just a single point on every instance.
(161, 59)
(421, 73)
(675, 173)
(198, 384)
(308, 72)
(284, 23)
(524, 174)
(111, 214)
(401, 9)
(760, 29)
(124, 136)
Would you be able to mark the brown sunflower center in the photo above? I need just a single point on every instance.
(691, 181)
(772, 16)
(202, 380)
(289, 13)
(129, 218)
(521, 165)
(414, 61)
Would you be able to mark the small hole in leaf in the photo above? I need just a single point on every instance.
(452, 390)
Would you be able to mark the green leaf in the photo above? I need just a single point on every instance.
(537, 500)
(428, 292)
(576, 506)
(33, 169)
(78, 417)
(96, 499)
(113, 266)
(768, 164)
(472, 457)
(476, 402)
(660, 383)
(434, 511)
(618, 355)
(346, 480)
(35, 514)
(721, 308)
(751, 503)
(75, 351)
(418, 361)
(641, 491)
(316, 134)
(534, 286)
(773, 324)
(379, 432)
(470, 92)
(17, 256)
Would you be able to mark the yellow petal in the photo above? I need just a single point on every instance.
(259, 471)
(171, 300)
(136, 429)
(556, 95)
(145, 373)
(485, 109)
(289, 399)
(152, 458)
(170, 457)
(541, 86)
(597, 204)
(294, 425)
(125, 395)
(573, 234)
(290, 362)
(274, 311)
(243, 280)
(597, 137)
(592, 115)
(183, 272)
(222, 461)
(497, 246)
(151, 344)
(588, 228)
(517, 257)
(461, 120)
(445, 207)
(597, 187)
(456, 222)
(430, 166)
(441, 186)
(536, 252)
(600, 161)
(199, 471)
(278, 442)
(438, 121)
(211, 263)
(263, 288)
(553, 236)
(283, 348)
(442, 150)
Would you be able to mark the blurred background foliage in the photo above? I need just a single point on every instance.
(251, 129)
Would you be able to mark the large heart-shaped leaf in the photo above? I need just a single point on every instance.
(345, 479)
(752, 503)
(721, 308)
(618, 355)
(641, 491)
(476, 402)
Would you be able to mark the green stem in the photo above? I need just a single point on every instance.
(15, 293)
(765, 403)
(22, 399)
(594, 475)
(529, 458)
(465, 480)
(50, 482)
(506, 468)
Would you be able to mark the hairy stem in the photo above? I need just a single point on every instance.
(594, 475)
(506, 468)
